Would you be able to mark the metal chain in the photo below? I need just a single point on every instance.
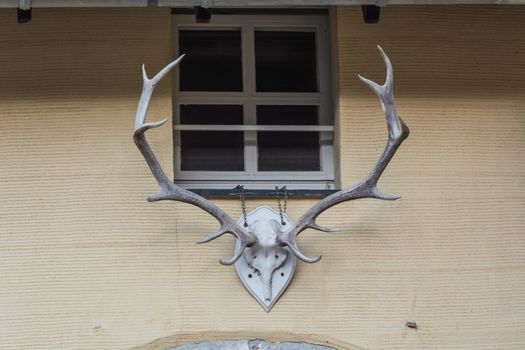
(240, 189)
(285, 198)
(278, 194)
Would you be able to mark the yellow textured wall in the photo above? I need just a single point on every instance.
(87, 263)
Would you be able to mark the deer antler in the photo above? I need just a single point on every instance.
(367, 188)
(168, 190)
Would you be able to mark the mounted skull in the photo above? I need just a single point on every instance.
(267, 255)
(265, 244)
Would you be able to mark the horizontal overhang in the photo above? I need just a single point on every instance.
(241, 3)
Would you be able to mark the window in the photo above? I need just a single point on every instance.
(252, 102)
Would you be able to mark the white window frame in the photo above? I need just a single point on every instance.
(249, 99)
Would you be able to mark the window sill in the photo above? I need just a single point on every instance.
(226, 193)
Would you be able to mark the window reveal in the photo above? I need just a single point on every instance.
(252, 102)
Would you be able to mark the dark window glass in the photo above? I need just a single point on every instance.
(213, 60)
(211, 114)
(285, 61)
(212, 150)
(288, 151)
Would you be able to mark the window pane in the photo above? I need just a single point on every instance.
(285, 61)
(211, 114)
(212, 150)
(213, 60)
(288, 151)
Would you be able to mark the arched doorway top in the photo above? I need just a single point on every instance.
(245, 340)
(256, 344)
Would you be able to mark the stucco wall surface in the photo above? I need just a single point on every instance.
(87, 263)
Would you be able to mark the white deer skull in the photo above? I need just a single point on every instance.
(264, 238)
(261, 261)
(267, 255)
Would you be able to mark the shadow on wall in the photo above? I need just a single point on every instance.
(437, 51)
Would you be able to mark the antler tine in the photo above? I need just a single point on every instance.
(236, 256)
(397, 129)
(167, 189)
(147, 90)
(367, 188)
(292, 244)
